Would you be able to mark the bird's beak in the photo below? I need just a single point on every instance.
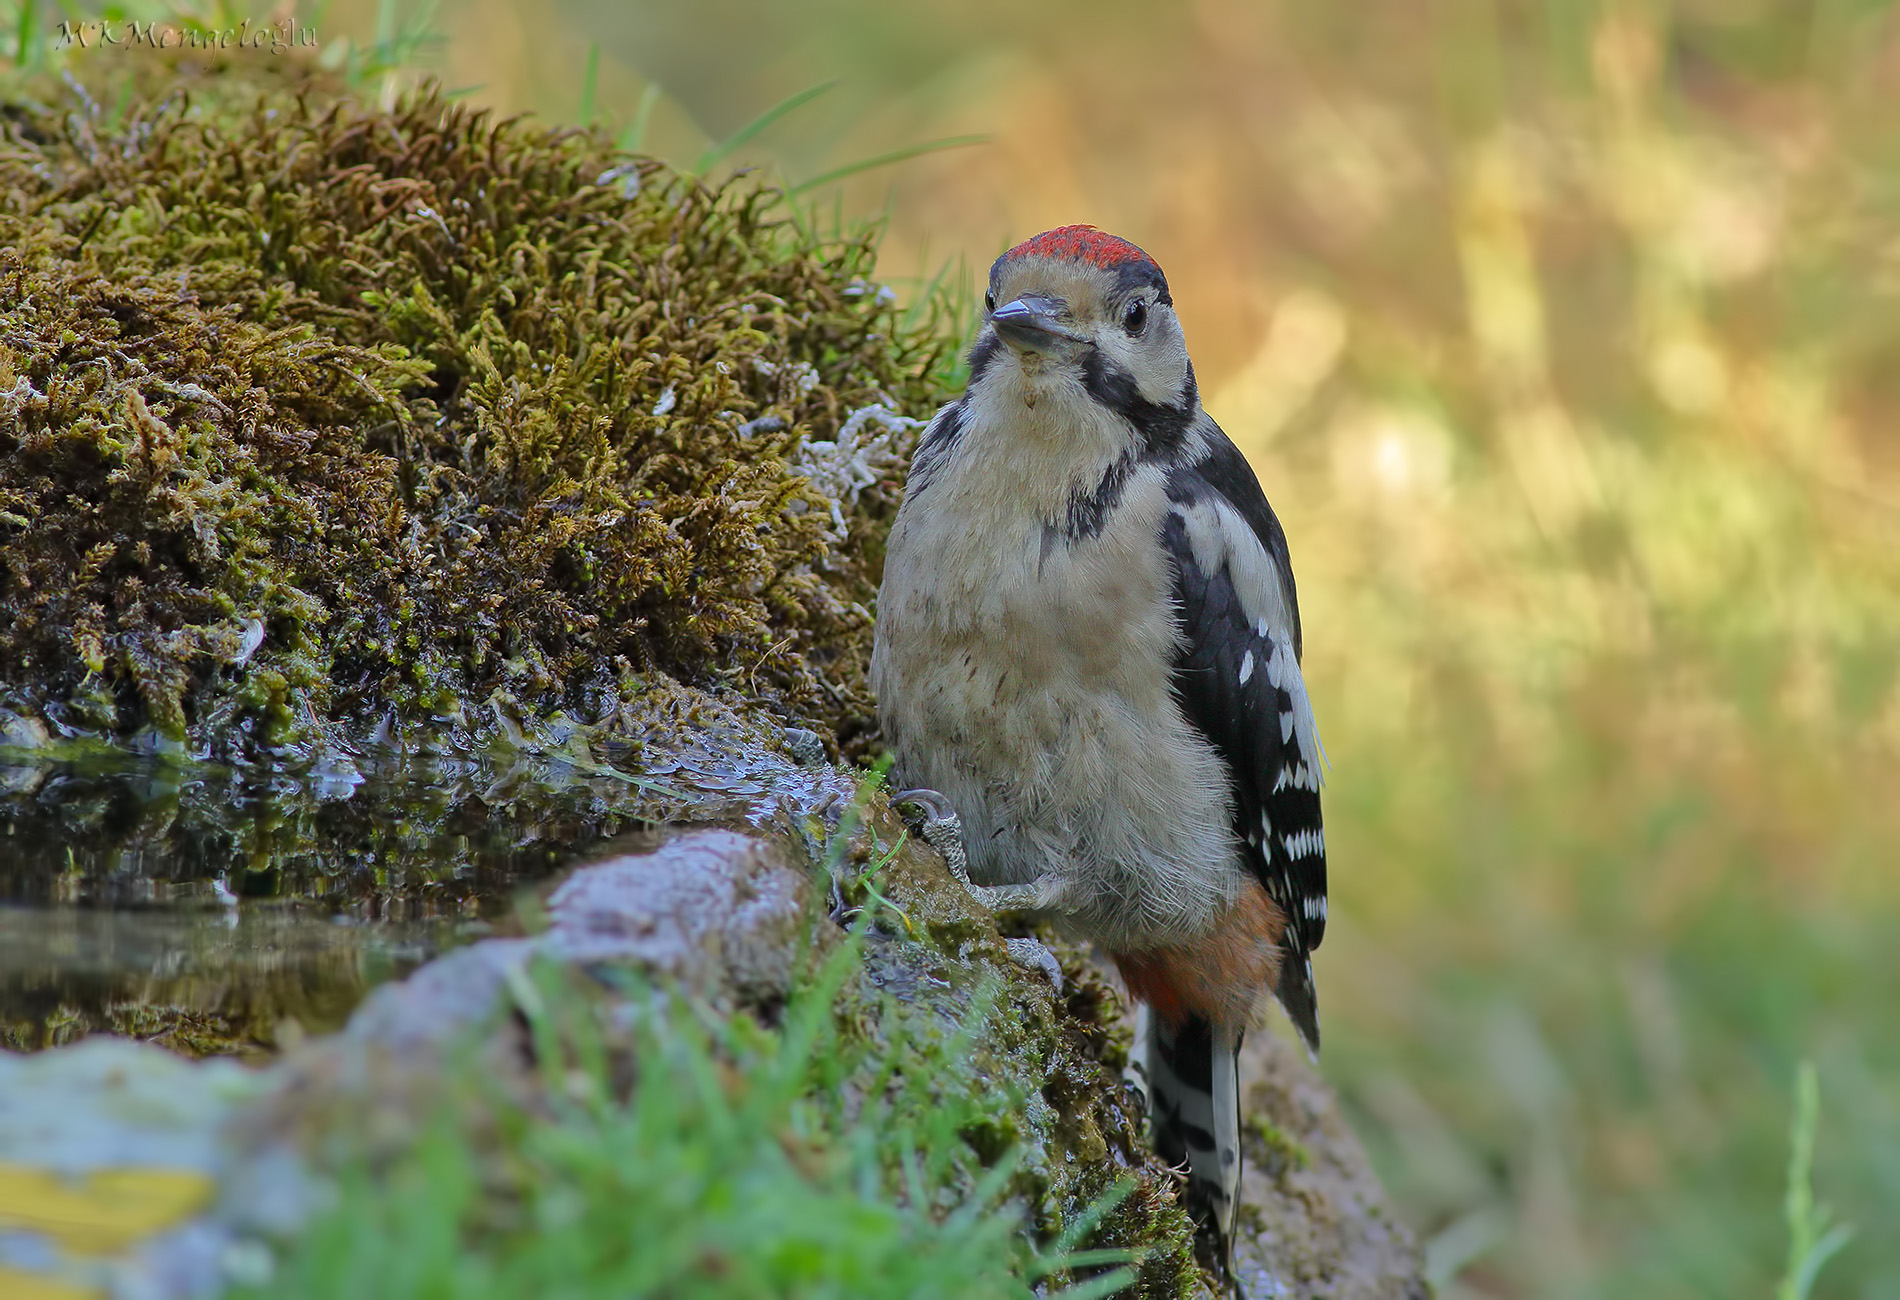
(1033, 323)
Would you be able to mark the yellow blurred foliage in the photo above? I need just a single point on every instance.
(16, 1285)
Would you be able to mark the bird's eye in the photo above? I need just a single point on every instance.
(1135, 317)
(989, 300)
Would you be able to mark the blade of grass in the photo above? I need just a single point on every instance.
(886, 159)
(589, 81)
(1811, 1240)
(1096, 1288)
(745, 134)
(1087, 1221)
(28, 46)
(399, 45)
(914, 314)
(634, 138)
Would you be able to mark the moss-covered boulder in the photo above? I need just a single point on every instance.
(314, 415)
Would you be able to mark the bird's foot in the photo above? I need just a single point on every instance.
(1034, 955)
(942, 830)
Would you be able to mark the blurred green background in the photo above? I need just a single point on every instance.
(1566, 339)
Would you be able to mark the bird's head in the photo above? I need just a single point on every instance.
(1079, 312)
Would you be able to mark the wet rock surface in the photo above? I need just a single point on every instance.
(226, 910)
(716, 914)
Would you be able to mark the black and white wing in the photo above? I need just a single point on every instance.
(1237, 676)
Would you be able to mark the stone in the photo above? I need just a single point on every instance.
(713, 913)
(120, 1176)
(128, 1173)
(1315, 1221)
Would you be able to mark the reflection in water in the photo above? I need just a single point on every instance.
(219, 910)
(230, 980)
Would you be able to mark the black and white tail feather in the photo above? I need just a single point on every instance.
(1192, 1082)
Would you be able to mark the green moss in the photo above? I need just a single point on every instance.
(324, 423)
(1036, 1070)
(1283, 1151)
(437, 406)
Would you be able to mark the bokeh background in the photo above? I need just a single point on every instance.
(1565, 337)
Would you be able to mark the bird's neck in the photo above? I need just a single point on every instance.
(1033, 442)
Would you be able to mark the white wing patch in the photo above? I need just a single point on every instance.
(1301, 776)
(1306, 844)
(1220, 538)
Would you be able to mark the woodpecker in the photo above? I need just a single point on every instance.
(1087, 656)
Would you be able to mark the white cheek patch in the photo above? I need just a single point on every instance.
(1158, 361)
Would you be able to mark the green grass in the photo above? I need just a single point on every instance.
(1813, 1238)
(693, 1156)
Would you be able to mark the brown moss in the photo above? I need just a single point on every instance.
(441, 406)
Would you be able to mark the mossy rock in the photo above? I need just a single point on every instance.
(314, 413)
(326, 429)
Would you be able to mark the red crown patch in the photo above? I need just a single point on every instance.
(1081, 244)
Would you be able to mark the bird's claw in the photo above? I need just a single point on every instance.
(1033, 954)
(940, 809)
(942, 830)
